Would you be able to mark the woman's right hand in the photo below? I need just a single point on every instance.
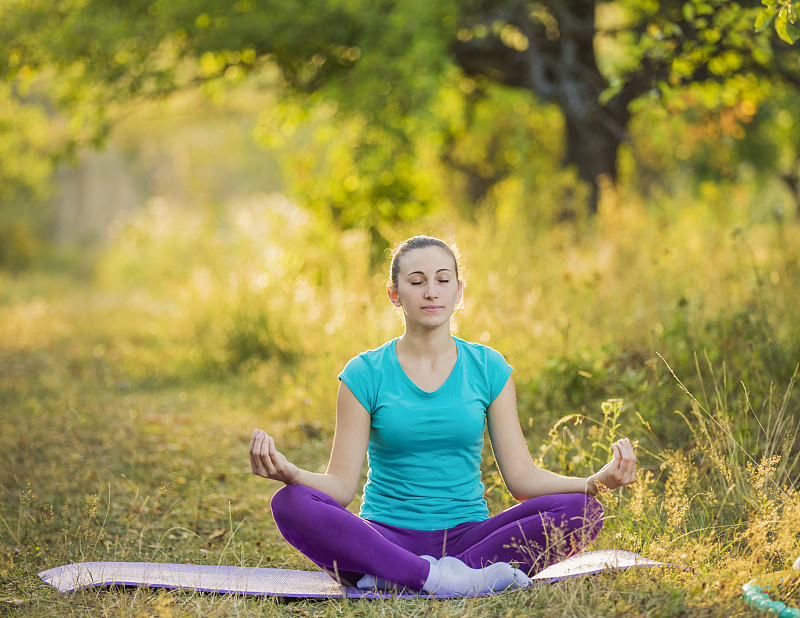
(267, 462)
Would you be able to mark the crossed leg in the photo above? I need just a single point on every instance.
(535, 534)
(341, 543)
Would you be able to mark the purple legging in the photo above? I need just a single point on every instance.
(535, 533)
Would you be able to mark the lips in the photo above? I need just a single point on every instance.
(433, 308)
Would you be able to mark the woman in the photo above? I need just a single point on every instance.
(417, 407)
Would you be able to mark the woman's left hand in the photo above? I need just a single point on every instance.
(618, 472)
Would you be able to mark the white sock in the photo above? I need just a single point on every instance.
(369, 582)
(451, 576)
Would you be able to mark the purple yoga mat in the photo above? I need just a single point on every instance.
(291, 583)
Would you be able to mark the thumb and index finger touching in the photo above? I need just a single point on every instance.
(621, 470)
(262, 450)
(624, 461)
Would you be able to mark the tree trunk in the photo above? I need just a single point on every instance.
(556, 63)
(592, 149)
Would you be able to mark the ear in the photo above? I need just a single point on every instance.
(394, 297)
(460, 295)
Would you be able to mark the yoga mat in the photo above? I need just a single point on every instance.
(290, 583)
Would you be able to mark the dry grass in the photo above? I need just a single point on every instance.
(127, 401)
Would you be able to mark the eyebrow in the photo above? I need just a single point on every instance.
(419, 272)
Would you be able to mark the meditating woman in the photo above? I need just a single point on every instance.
(417, 408)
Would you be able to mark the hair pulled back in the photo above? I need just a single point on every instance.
(417, 242)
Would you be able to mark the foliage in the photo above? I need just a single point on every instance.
(26, 153)
(380, 70)
(782, 14)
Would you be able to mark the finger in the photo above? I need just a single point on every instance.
(262, 453)
(627, 448)
(256, 454)
(633, 465)
(616, 459)
(628, 452)
(625, 463)
(273, 456)
(252, 449)
(258, 443)
(629, 476)
(609, 470)
(629, 456)
(632, 474)
(253, 438)
(279, 460)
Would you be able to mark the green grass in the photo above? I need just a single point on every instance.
(127, 399)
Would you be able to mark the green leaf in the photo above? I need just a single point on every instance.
(786, 31)
(610, 92)
(765, 19)
(704, 8)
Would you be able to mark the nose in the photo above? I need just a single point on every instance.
(430, 290)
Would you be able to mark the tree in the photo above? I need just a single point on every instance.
(385, 61)
(783, 15)
(552, 50)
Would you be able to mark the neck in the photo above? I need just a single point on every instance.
(426, 343)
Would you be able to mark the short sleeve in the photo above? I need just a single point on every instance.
(498, 371)
(360, 379)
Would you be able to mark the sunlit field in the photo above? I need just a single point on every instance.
(131, 379)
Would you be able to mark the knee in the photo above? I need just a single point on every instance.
(292, 503)
(299, 511)
(590, 506)
(594, 512)
(287, 501)
(584, 510)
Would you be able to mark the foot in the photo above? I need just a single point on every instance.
(450, 575)
(370, 582)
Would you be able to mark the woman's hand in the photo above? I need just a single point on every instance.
(267, 462)
(618, 472)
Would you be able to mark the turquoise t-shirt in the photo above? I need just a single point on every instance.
(424, 450)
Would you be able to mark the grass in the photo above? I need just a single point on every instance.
(127, 398)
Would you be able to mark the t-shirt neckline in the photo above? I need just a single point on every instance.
(408, 380)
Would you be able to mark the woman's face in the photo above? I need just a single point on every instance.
(427, 288)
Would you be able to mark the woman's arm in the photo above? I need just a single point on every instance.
(524, 478)
(350, 440)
